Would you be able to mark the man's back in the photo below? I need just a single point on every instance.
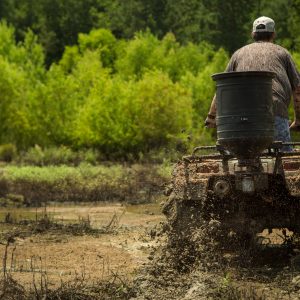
(266, 56)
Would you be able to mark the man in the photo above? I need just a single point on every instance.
(264, 55)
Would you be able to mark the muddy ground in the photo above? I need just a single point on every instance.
(269, 273)
(133, 244)
(121, 246)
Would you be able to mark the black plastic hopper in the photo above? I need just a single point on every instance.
(245, 119)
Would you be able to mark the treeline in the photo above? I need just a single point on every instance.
(121, 77)
(225, 24)
(115, 96)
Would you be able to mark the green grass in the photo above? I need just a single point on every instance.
(58, 173)
(19, 214)
(136, 183)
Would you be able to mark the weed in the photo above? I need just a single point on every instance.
(8, 218)
(46, 223)
(10, 289)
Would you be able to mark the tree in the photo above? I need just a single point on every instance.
(221, 23)
(280, 11)
(57, 22)
(294, 24)
(190, 20)
(232, 19)
(125, 18)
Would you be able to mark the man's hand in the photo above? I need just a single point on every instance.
(295, 126)
(210, 121)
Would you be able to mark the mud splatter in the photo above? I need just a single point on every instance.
(200, 258)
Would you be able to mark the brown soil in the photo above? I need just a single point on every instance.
(198, 262)
(64, 256)
(159, 261)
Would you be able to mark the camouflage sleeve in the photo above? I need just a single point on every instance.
(292, 73)
(232, 64)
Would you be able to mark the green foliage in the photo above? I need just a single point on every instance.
(15, 122)
(103, 41)
(56, 22)
(233, 23)
(56, 107)
(294, 23)
(83, 183)
(134, 116)
(144, 104)
(146, 52)
(125, 18)
(7, 40)
(55, 156)
(50, 174)
(7, 152)
(279, 10)
(139, 55)
(49, 156)
(202, 86)
(123, 98)
(28, 54)
(225, 24)
(21, 74)
(69, 58)
(296, 57)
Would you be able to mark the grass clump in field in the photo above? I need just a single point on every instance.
(28, 223)
(54, 156)
(136, 183)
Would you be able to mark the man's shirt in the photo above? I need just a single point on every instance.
(266, 56)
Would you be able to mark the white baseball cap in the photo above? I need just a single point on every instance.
(264, 24)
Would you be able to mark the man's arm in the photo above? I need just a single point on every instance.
(210, 121)
(294, 78)
(296, 97)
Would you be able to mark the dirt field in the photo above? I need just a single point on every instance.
(128, 243)
(63, 256)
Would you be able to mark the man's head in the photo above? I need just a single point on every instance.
(263, 29)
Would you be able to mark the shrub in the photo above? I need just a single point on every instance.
(21, 72)
(59, 156)
(122, 117)
(70, 57)
(138, 56)
(146, 52)
(101, 40)
(7, 152)
(55, 156)
(296, 57)
(33, 156)
(202, 86)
